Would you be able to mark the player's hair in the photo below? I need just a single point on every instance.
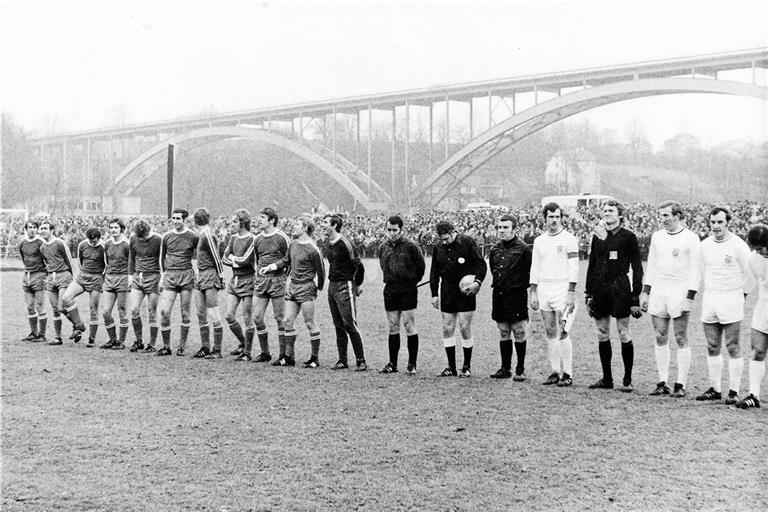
(33, 222)
(616, 204)
(92, 232)
(202, 217)
(551, 207)
(718, 209)
(141, 228)
(271, 215)
(50, 223)
(335, 221)
(243, 219)
(444, 227)
(677, 210)
(119, 222)
(307, 222)
(758, 236)
(184, 213)
(509, 217)
(395, 220)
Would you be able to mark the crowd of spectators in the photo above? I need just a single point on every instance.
(367, 232)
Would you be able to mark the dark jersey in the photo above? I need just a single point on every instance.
(401, 261)
(56, 256)
(304, 262)
(117, 256)
(510, 263)
(178, 250)
(208, 255)
(92, 258)
(144, 255)
(240, 252)
(451, 262)
(344, 262)
(611, 259)
(31, 255)
(270, 248)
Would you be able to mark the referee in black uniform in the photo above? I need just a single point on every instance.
(455, 256)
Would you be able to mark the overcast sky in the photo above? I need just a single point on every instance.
(76, 61)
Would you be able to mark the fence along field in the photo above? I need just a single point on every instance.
(89, 429)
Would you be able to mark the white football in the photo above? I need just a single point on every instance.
(466, 283)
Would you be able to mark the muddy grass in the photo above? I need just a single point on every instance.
(87, 429)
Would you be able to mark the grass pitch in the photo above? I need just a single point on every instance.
(89, 429)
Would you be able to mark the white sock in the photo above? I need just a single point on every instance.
(735, 367)
(715, 369)
(683, 364)
(468, 343)
(554, 354)
(449, 342)
(756, 374)
(662, 362)
(566, 353)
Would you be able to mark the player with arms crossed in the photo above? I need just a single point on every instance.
(178, 278)
(33, 282)
(671, 282)
(210, 272)
(554, 274)
(453, 258)
(724, 263)
(144, 277)
(116, 284)
(304, 263)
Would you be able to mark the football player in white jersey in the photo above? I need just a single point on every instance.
(723, 261)
(671, 282)
(757, 238)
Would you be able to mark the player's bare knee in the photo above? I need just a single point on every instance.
(734, 350)
(518, 332)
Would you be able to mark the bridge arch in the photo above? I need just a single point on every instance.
(346, 176)
(485, 146)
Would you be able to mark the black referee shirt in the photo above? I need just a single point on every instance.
(611, 259)
(510, 262)
(453, 261)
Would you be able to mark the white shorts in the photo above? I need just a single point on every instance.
(722, 307)
(760, 315)
(552, 295)
(666, 300)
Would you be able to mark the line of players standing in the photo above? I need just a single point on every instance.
(271, 267)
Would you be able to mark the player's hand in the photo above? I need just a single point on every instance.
(644, 302)
(435, 302)
(472, 289)
(570, 301)
(534, 301)
(588, 301)
(686, 306)
(269, 268)
(635, 312)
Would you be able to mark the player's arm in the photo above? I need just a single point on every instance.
(317, 262)
(479, 266)
(434, 275)
(418, 261)
(163, 249)
(64, 250)
(633, 253)
(535, 266)
(590, 283)
(239, 261)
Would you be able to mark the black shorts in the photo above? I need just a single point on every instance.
(509, 306)
(453, 301)
(613, 298)
(400, 296)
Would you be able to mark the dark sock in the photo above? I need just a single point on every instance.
(42, 324)
(451, 353)
(604, 347)
(394, 348)
(628, 356)
(152, 334)
(505, 348)
(183, 335)
(57, 326)
(237, 330)
(290, 345)
(166, 333)
(249, 332)
(33, 324)
(218, 335)
(137, 328)
(520, 347)
(413, 348)
(282, 343)
(314, 342)
(205, 336)
(111, 333)
(93, 327)
(123, 331)
(74, 317)
(467, 356)
(264, 342)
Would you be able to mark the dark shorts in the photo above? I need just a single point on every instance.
(56, 281)
(208, 279)
(116, 283)
(147, 282)
(241, 286)
(305, 291)
(179, 280)
(400, 296)
(90, 282)
(271, 286)
(509, 306)
(453, 301)
(612, 299)
(33, 282)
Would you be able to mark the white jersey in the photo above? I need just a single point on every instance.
(725, 265)
(758, 266)
(673, 259)
(555, 258)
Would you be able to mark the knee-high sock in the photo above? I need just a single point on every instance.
(281, 341)
(32, 319)
(606, 354)
(553, 346)
(218, 335)
(628, 356)
(111, 332)
(57, 325)
(290, 344)
(314, 342)
(73, 315)
(683, 364)
(467, 345)
(756, 374)
(566, 354)
(166, 333)
(152, 333)
(42, 324)
(715, 370)
(237, 330)
(394, 348)
(249, 331)
(183, 334)
(263, 339)
(93, 328)
(506, 348)
(205, 336)
(662, 362)
(137, 328)
(735, 369)
(123, 330)
(413, 348)
(520, 347)
(450, 351)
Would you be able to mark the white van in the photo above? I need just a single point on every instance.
(574, 201)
